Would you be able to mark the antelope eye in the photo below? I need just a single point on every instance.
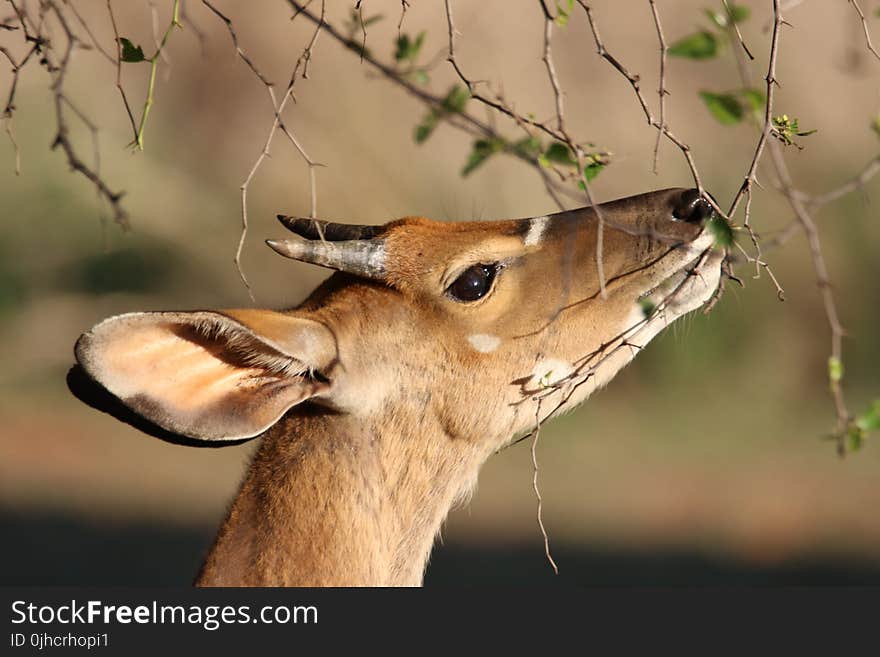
(473, 283)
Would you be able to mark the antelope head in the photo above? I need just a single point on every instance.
(381, 395)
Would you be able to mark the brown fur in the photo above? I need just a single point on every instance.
(395, 393)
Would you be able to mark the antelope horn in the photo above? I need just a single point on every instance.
(315, 229)
(348, 248)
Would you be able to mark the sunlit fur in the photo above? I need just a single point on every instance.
(394, 406)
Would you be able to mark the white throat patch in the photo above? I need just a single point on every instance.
(484, 343)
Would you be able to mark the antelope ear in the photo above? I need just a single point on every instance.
(212, 376)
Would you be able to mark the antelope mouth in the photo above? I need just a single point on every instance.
(684, 283)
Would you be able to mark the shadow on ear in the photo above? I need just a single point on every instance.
(91, 393)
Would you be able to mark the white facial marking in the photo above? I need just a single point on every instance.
(537, 226)
(484, 343)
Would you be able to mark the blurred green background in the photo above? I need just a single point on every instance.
(702, 462)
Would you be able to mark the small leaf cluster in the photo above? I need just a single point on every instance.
(729, 107)
(863, 425)
(453, 103)
(563, 12)
(860, 427)
(532, 148)
(406, 53)
(706, 43)
(555, 154)
(786, 128)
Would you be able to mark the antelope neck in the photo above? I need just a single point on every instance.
(332, 501)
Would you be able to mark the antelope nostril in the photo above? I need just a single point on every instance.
(692, 208)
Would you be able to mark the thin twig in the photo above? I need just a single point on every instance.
(634, 82)
(58, 70)
(662, 88)
(770, 79)
(119, 86)
(733, 24)
(868, 42)
(574, 147)
(536, 433)
(192, 25)
(85, 25)
(154, 65)
(461, 120)
(871, 169)
(300, 69)
(404, 5)
(799, 204)
(7, 126)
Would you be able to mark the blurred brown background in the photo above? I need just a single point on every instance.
(702, 462)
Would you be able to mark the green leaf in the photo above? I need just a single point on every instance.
(835, 369)
(454, 102)
(755, 98)
(720, 18)
(559, 153)
(456, 99)
(726, 108)
(721, 230)
(739, 13)
(648, 307)
(699, 45)
(482, 150)
(419, 76)
(528, 147)
(130, 52)
(408, 49)
(593, 169)
(563, 13)
(426, 127)
(855, 438)
(870, 419)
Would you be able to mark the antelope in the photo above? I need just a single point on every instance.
(379, 398)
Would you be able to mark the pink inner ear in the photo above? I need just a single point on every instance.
(211, 381)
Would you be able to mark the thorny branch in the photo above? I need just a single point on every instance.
(635, 82)
(10, 101)
(575, 148)
(661, 91)
(461, 120)
(154, 65)
(55, 56)
(868, 43)
(800, 205)
(300, 69)
(119, 86)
